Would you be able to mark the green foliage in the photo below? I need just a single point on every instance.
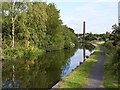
(70, 39)
(113, 48)
(22, 53)
(89, 46)
(112, 65)
(90, 37)
(113, 54)
(36, 25)
(110, 79)
(115, 35)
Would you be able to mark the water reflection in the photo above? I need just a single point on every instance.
(41, 72)
(74, 61)
(84, 53)
(13, 78)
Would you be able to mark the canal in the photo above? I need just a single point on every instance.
(44, 71)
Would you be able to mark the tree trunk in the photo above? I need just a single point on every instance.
(13, 30)
(13, 25)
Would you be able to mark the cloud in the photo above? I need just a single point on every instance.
(99, 17)
(80, 0)
(52, 1)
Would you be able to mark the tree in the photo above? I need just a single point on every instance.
(116, 34)
(90, 37)
(35, 25)
(37, 18)
(53, 20)
(12, 10)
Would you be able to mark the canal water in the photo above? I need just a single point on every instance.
(44, 71)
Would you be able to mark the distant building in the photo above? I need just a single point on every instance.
(119, 13)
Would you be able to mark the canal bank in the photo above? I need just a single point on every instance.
(43, 71)
(78, 78)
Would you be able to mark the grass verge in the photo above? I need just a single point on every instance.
(79, 77)
(111, 79)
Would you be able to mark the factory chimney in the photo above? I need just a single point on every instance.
(84, 30)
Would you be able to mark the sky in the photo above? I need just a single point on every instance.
(99, 15)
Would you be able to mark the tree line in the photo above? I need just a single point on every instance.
(100, 37)
(34, 25)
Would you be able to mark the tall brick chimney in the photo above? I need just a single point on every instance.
(84, 30)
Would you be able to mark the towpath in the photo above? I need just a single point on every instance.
(96, 75)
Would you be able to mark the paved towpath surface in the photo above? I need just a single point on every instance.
(96, 75)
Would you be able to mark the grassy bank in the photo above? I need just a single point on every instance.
(79, 77)
(111, 74)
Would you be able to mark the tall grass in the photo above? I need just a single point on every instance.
(112, 65)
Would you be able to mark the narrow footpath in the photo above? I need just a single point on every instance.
(96, 75)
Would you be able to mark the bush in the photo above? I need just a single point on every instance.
(21, 53)
(113, 54)
(116, 60)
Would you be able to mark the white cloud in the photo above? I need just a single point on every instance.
(80, 0)
(52, 1)
(99, 18)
